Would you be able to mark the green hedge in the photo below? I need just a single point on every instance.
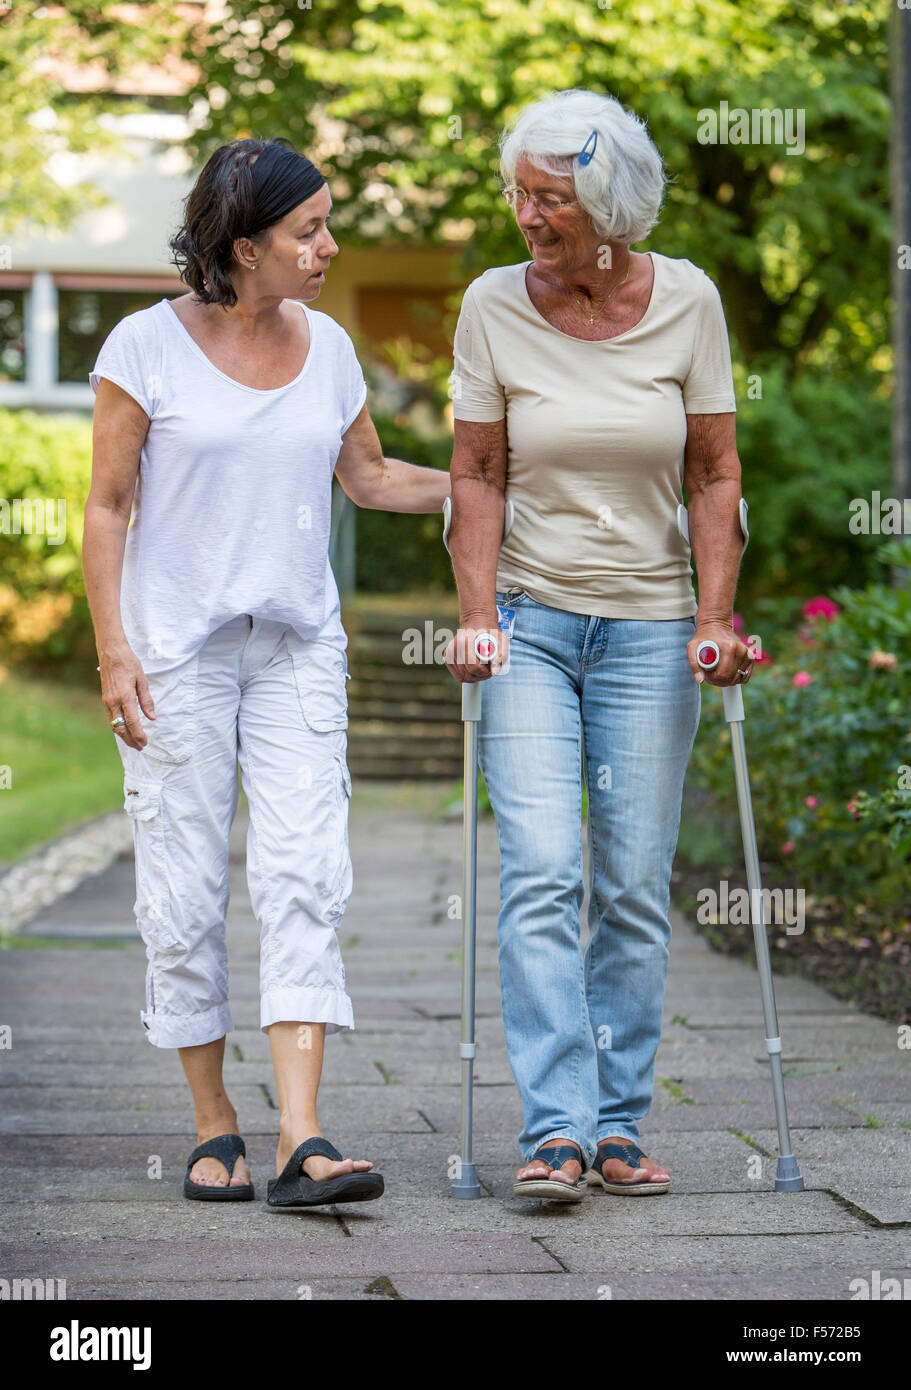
(44, 618)
(807, 447)
(397, 551)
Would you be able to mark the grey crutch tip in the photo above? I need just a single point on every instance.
(466, 1184)
(787, 1176)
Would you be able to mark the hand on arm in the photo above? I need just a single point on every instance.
(712, 478)
(385, 484)
(120, 428)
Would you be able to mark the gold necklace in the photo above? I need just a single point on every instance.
(591, 317)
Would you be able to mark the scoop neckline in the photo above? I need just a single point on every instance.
(592, 342)
(242, 386)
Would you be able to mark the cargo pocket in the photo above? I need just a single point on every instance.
(155, 896)
(172, 734)
(344, 873)
(319, 673)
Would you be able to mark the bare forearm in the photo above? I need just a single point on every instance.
(102, 564)
(405, 487)
(716, 541)
(474, 545)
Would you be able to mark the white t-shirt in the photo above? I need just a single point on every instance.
(596, 434)
(232, 507)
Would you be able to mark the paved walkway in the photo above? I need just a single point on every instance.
(88, 1107)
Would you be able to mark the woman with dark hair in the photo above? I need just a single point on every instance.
(219, 421)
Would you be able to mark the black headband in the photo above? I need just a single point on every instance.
(282, 179)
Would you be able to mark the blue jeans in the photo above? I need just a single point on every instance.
(582, 1032)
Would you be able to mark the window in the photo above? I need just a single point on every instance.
(12, 335)
(86, 317)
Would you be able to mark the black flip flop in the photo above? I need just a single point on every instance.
(227, 1148)
(632, 1155)
(545, 1188)
(293, 1188)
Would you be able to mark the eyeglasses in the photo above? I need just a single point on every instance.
(547, 203)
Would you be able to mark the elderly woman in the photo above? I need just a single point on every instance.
(587, 380)
(219, 421)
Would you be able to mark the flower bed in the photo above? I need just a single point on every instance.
(828, 736)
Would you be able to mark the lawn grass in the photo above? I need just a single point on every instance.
(63, 766)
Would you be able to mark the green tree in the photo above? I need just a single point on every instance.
(421, 89)
(60, 70)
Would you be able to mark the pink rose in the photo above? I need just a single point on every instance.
(739, 624)
(802, 678)
(820, 607)
(787, 847)
(811, 801)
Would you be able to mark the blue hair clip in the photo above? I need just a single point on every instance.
(586, 154)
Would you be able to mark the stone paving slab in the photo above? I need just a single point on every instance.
(747, 1118)
(362, 1289)
(138, 1109)
(888, 1205)
(708, 1214)
(701, 1056)
(147, 1068)
(852, 1087)
(855, 1149)
(617, 1283)
(886, 1113)
(295, 1255)
(588, 1249)
(743, 1013)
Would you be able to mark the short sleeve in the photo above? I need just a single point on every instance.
(709, 385)
(122, 359)
(354, 387)
(476, 392)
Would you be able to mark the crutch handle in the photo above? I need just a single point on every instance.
(708, 655)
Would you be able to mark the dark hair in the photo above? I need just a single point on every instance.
(245, 188)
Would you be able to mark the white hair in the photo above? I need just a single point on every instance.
(621, 188)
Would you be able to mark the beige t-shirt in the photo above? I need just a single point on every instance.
(596, 433)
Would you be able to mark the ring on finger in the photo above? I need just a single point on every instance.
(119, 722)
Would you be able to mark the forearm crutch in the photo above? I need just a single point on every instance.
(787, 1177)
(465, 1182)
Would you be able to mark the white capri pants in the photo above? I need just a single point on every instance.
(257, 692)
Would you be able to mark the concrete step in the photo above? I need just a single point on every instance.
(403, 715)
(386, 707)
